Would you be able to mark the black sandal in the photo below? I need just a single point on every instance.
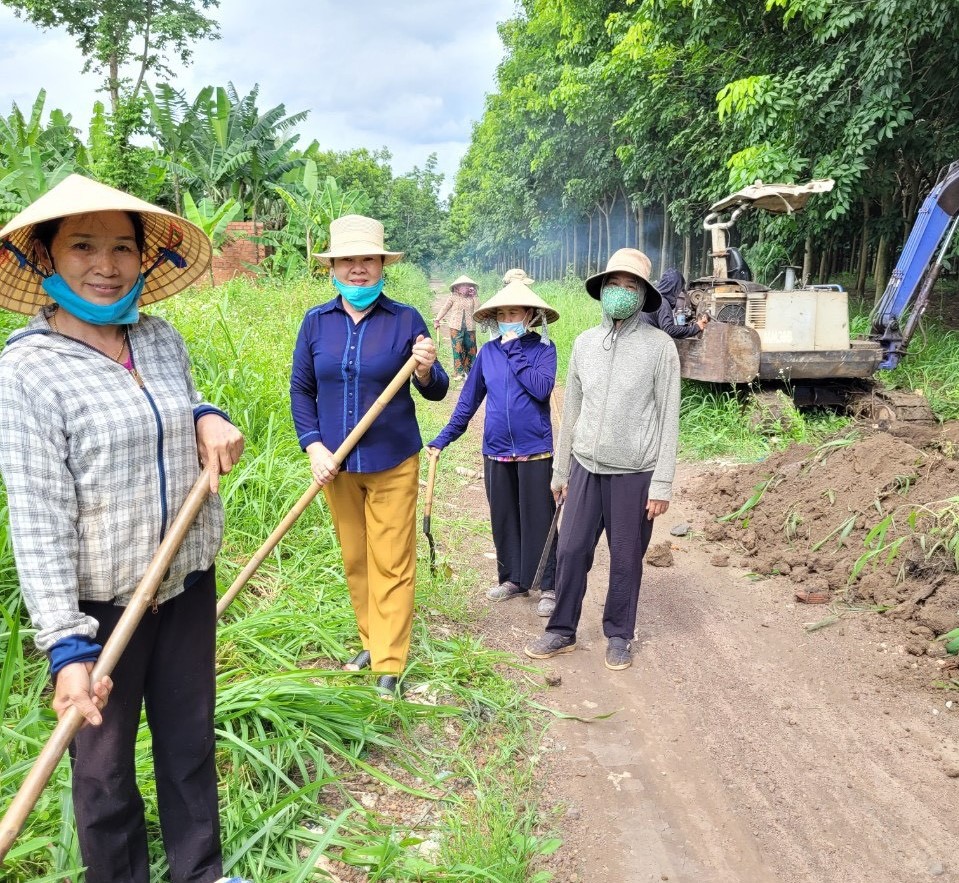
(358, 662)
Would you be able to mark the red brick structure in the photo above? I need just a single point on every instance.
(238, 253)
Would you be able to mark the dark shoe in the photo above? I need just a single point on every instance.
(505, 591)
(547, 604)
(386, 686)
(618, 656)
(548, 645)
(358, 662)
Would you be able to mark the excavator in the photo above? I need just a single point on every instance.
(798, 335)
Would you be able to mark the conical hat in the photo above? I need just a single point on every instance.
(517, 275)
(354, 235)
(164, 233)
(463, 280)
(514, 295)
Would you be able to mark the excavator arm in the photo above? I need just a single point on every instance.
(897, 312)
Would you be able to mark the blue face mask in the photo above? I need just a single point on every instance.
(519, 328)
(125, 311)
(359, 296)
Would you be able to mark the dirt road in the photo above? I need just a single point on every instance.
(742, 747)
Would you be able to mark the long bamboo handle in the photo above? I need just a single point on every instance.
(430, 482)
(339, 455)
(68, 725)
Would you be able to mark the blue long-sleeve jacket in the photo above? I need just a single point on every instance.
(516, 378)
(339, 370)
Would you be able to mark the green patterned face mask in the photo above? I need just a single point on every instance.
(619, 302)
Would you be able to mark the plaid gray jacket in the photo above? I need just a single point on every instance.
(96, 468)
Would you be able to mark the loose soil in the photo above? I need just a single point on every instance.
(757, 738)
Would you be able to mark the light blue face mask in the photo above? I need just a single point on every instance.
(125, 311)
(519, 328)
(359, 296)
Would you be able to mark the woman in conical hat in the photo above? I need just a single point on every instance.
(102, 434)
(347, 351)
(515, 373)
(458, 311)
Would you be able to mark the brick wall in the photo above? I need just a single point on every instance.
(238, 252)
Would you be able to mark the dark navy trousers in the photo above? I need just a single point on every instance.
(594, 503)
(168, 666)
(521, 507)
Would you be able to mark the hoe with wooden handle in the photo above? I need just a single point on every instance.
(68, 725)
(339, 455)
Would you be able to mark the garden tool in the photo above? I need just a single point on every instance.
(339, 455)
(434, 456)
(72, 720)
(550, 536)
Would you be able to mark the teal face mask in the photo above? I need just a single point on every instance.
(518, 328)
(359, 296)
(620, 303)
(125, 311)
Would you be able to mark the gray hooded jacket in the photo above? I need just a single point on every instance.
(621, 410)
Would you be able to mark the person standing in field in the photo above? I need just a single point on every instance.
(347, 352)
(616, 455)
(515, 373)
(458, 312)
(102, 435)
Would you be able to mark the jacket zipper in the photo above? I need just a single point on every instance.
(602, 413)
(509, 425)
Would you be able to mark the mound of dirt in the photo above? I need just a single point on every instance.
(868, 519)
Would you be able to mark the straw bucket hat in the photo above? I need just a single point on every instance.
(463, 280)
(355, 235)
(515, 294)
(634, 262)
(175, 253)
(517, 275)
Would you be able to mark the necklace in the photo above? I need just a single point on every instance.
(116, 358)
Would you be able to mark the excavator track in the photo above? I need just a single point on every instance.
(887, 408)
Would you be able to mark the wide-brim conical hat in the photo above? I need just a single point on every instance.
(517, 275)
(514, 295)
(463, 280)
(20, 289)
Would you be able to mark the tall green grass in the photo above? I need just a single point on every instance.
(294, 732)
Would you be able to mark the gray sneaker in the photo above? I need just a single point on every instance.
(618, 654)
(549, 645)
(547, 604)
(505, 591)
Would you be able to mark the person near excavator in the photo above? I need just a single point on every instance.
(616, 455)
(670, 285)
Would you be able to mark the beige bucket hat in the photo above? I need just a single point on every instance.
(354, 235)
(175, 253)
(515, 294)
(463, 280)
(517, 275)
(633, 261)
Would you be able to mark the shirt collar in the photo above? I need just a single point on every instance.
(337, 304)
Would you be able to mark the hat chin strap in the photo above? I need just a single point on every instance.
(24, 261)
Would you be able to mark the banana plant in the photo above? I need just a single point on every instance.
(211, 218)
(311, 205)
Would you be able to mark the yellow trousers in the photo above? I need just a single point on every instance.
(374, 515)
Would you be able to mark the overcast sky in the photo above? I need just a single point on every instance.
(408, 76)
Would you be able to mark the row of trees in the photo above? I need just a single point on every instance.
(621, 121)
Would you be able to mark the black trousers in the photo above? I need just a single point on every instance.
(521, 507)
(594, 503)
(169, 665)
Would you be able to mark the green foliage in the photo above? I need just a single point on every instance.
(107, 32)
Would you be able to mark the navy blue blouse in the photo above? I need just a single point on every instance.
(341, 367)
